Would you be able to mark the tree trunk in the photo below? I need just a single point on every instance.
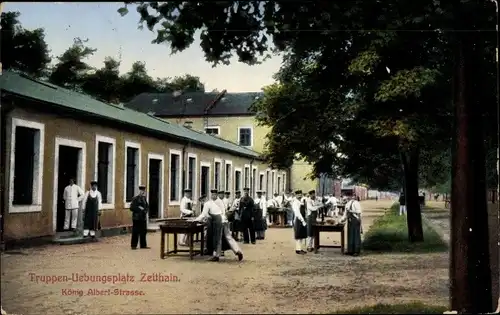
(470, 273)
(413, 216)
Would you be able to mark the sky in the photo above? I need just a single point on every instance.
(112, 35)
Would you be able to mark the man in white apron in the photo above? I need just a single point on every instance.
(72, 196)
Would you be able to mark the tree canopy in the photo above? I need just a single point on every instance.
(26, 51)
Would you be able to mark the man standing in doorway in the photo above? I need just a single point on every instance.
(247, 216)
(72, 196)
(139, 207)
(92, 205)
(186, 208)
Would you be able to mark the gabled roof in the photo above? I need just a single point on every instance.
(194, 104)
(53, 95)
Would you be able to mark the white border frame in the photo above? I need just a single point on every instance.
(180, 188)
(195, 174)
(231, 177)
(251, 136)
(135, 145)
(238, 169)
(38, 187)
(221, 174)
(80, 180)
(212, 127)
(245, 167)
(209, 165)
(112, 180)
(161, 157)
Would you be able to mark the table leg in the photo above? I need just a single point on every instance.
(162, 245)
(342, 241)
(175, 243)
(316, 240)
(202, 244)
(168, 242)
(191, 242)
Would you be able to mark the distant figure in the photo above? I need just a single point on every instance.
(354, 228)
(72, 196)
(402, 204)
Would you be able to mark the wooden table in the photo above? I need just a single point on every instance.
(181, 226)
(318, 227)
(282, 217)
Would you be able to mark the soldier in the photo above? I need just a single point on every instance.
(139, 207)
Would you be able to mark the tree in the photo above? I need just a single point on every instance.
(71, 71)
(187, 83)
(105, 83)
(419, 73)
(23, 50)
(136, 81)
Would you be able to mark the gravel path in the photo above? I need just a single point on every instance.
(270, 279)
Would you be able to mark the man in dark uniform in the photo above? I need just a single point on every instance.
(139, 207)
(247, 217)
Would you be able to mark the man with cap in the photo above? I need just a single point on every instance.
(247, 216)
(139, 207)
(212, 210)
(227, 241)
(260, 216)
(313, 205)
(236, 224)
(287, 204)
(227, 200)
(91, 205)
(299, 210)
(186, 208)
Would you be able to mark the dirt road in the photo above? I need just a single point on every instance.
(270, 279)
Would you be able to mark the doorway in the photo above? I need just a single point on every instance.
(154, 186)
(205, 180)
(69, 163)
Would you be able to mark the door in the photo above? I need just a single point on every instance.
(154, 188)
(205, 173)
(67, 169)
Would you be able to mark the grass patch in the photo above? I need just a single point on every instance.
(389, 233)
(410, 308)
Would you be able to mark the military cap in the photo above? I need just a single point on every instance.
(259, 191)
(312, 191)
(298, 192)
(227, 192)
(221, 192)
(238, 192)
(214, 191)
(246, 189)
(187, 190)
(94, 182)
(142, 187)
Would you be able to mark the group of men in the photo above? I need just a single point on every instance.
(90, 202)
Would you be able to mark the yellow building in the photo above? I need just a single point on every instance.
(228, 116)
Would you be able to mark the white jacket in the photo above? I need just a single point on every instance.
(72, 197)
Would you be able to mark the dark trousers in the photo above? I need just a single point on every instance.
(248, 231)
(139, 230)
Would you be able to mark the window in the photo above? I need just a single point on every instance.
(268, 187)
(254, 180)
(228, 176)
(279, 185)
(191, 178)
(284, 181)
(212, 130)
(217, 173)
(105, 170)
(273, 189)
(237, 179)
(132, 171)
(26, 169)
(245, 136)
(261, 181)
(246, 179)
(205, 178)
(175, 176)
